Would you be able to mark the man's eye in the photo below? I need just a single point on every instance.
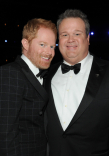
(52, 47)
(64, 34)
(77, 34)
(42, 45)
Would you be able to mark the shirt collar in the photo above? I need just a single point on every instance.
(32, 67)
(86, 63)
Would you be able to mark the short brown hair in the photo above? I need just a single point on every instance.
(30, 29)
(69, 13)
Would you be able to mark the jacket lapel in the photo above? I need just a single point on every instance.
(32, 79)
(50, 75)
(95, 78)
(51, 105)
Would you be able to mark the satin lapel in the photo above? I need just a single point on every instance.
(36, 84)
(51, 106)
(95, 78)
(32, 79)
(51, 73)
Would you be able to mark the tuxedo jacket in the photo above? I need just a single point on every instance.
(22, 99)
(88, 131)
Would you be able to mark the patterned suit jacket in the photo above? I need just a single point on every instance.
(22, 99)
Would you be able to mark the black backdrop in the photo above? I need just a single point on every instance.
(14, 14)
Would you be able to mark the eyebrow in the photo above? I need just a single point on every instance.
(62, 33)
(73, 32)
(78, 31)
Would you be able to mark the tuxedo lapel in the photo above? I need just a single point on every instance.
(35, 84)
(50, 75)
(32, 79)
(51, 107)
(95, 78)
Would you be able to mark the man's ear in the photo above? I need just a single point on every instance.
(88, 38)
(25, 44)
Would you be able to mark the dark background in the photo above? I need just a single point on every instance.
(14, 14)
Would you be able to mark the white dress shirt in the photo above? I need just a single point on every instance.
(32, 67)
(68, 90)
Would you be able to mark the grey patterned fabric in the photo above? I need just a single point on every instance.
(21, 127)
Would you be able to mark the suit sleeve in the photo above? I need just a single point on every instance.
(11, 90)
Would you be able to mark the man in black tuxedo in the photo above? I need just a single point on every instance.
(22, 96)
(78, 87)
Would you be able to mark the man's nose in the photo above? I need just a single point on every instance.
(49, 50)
(71, 38)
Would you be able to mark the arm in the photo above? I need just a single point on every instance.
(11, 90)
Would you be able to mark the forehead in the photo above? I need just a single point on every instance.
(45, 35)
(72, 24)
(45, 32)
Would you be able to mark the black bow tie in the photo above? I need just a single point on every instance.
(42, 73)
(65, 68)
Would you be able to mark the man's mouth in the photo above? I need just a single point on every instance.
(72, 46)
(46, 58)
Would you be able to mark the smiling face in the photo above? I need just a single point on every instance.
(73, 42)
(40, 51)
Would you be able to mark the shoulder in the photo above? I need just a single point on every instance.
(11, 71)
(101, 62)
(11, 67)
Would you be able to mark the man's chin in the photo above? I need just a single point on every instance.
(44, 67)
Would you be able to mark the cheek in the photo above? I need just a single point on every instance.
(83, 41)
(61, 46)
(61, 42)
(37, 52)
(53, 53)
